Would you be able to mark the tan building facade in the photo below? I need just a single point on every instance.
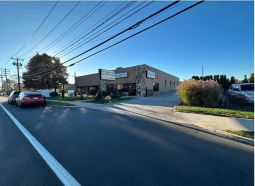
(140, 80)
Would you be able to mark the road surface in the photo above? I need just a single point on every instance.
(103, 148)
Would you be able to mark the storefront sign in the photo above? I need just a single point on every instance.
(121, 75)
(150, 74)
(106, 74)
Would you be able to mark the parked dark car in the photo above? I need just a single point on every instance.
(245, 90)
(29, 98)
(12, 97)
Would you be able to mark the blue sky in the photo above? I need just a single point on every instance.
(217, 34)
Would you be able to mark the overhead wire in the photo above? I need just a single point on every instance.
(139, 32)
(96, 26)
(35, 32)
(52, 30)
(105, 29)
(112, 16)
(134, 26)
(38, 28)
(75, 25)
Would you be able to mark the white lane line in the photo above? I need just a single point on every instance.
(64, 176)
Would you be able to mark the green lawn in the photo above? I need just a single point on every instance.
(58, 103)
(238, 112)
(247, 134)
(103, 101)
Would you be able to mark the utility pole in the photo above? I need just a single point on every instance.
(1, 77)
(18, 65)
(75, 88)
(202, 71)
(6, 73)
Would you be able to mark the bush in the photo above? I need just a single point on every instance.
(54, 94)
(116, 94)
(98, 96)
(105, 93)
(200, 93)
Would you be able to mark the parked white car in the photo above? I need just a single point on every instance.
(245, 89)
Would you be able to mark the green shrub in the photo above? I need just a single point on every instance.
(98, 96)
(54, 94)
(200, 93)
(116, 94)
(105, 93)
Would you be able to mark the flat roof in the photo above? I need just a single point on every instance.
(118, 68)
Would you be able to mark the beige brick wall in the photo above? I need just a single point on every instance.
(160, 78)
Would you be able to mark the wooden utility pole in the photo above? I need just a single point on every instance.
(18, 65)
(2, 81)
(202, 71)
(6, 73)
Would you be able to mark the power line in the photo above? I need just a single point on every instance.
(95, 27)
(53, 29)
(139, 32)
(120, 10)
(35, 32)
(38, 28)
(75, 25)
(134, 26)
(137, 24)
(105, 29)
(85, 40)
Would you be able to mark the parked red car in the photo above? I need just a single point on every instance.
(29, 98)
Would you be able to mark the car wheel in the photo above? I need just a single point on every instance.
(21, 106)
(44, 104)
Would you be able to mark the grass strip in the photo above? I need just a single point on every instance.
(238, 112)
(103, 101)
(247, 134)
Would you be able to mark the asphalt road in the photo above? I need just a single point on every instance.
(102, 148)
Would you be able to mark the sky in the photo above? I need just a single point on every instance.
(215, 34)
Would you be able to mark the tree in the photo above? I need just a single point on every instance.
(251, 79)
(216, 78)
(232, 80)
(44, 72)
(245, 80)
(195, 77)
(224, 82)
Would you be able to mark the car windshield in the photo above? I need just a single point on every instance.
(248, 87)
(16, 93)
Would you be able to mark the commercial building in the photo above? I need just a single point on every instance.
(140, 80)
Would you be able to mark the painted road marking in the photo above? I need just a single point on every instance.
(64, 176)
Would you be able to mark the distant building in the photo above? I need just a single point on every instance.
(140, 80)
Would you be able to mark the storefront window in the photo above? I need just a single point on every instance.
(156, 87)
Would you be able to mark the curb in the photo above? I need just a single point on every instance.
(236, 137)
(216, 132)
